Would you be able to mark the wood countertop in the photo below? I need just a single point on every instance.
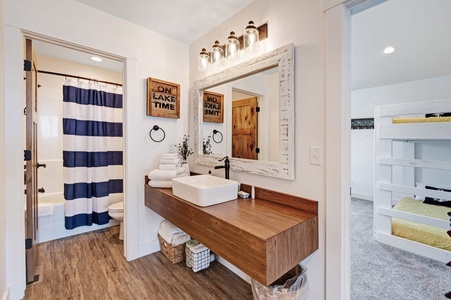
(264, 237)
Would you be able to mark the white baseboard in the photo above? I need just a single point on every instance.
(362, 196)
(6, 294)
(148, 247)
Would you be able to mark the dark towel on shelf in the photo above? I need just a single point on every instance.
(437, 201)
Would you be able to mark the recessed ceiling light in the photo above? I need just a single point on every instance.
(389, 50)
(96, 58)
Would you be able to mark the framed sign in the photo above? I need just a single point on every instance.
(163, 98)
(213, 107)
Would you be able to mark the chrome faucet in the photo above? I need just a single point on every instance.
(226, 166)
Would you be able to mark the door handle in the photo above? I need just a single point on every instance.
(41, 165)
(41, 190)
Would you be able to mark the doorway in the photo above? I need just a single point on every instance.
(410, 70)
(55, 65)
(245, 143)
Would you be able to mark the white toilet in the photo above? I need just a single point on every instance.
(116, 211)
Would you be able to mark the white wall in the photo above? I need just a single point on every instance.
(3, 290)
(362, 140)
(146, 54)
(301, 23)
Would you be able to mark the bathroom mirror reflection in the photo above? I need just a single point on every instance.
(251, 117)
(276, 68)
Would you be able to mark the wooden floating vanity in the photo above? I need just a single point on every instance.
(264, 237)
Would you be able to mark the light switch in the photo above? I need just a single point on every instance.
(315, 156)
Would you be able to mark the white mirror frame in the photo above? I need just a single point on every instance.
(283, 58)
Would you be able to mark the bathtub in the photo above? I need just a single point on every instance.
(51, 219)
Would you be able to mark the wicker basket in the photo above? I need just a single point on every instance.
(175, 254)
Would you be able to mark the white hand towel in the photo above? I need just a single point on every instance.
(167, 167)
(162, 175)
(170, 155)
(180, 238)
(169, 161)
(167, 231)
(160, 184)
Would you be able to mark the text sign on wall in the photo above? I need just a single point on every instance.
(213, 107)
(163, 98)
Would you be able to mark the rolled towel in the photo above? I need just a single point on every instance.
(160, 184)
(167, 167)
(167, 230)
(180, 238)
(162, 175)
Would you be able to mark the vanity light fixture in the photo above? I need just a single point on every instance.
(232, 47)
(251, 38)
(249, 41)
(203, 60)
(217, 54)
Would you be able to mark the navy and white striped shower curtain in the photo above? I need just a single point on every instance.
(92, 151)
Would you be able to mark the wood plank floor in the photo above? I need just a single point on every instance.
(91, 266)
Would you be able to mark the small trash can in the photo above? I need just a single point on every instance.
(293, 285)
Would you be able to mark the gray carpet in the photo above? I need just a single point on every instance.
(379, 271)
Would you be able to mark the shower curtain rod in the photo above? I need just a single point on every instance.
(78, 77)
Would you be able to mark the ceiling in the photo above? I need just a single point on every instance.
(418, 29)
(183, 20)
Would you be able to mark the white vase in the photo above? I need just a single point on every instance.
(186, 166)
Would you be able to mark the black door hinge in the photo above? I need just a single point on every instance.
(257, 109)
(257, 150)
(27, 155)
(26, 65)
(28, 243)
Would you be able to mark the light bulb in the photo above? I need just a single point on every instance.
(251, 38)
(203, 60)
(217, 53)
(232, 47)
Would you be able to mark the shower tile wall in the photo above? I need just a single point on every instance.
(50, 138)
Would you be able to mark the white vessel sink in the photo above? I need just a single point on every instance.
(204, 190)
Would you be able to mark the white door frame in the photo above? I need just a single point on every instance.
(338, 160)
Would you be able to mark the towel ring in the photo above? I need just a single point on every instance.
(217, 132)
(156, 128)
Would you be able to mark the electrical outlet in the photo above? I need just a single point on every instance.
(315, 156)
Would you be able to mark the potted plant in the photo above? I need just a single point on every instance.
(206, 146)
(184, 152)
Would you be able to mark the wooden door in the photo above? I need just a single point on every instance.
(31, 165)
(244, 128)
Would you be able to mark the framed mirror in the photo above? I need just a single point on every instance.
(267, 78)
